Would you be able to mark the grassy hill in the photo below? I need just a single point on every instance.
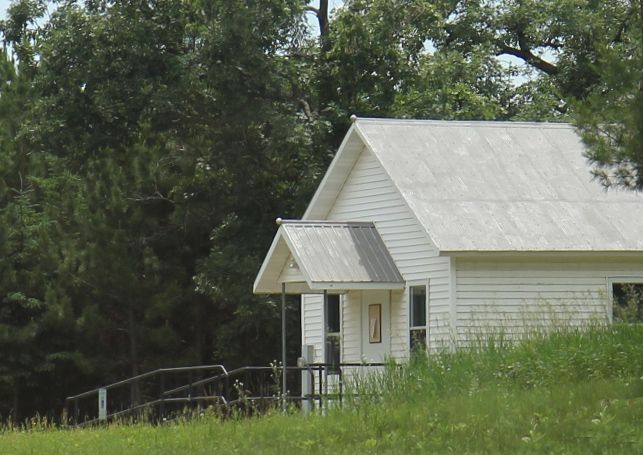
(570, 392)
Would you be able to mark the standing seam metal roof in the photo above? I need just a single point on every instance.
(331, 252)
(503, 186)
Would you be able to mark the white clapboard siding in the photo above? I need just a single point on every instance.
(369, 195)
(351, 344)
(399, 325)
(514, 297)
(312, 323)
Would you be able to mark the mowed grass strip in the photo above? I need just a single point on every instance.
(572, 391)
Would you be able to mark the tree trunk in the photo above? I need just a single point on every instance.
(133, 345)
(322, 18)
(16, 403)
(641, 20)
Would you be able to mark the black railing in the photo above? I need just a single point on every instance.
(161, 394)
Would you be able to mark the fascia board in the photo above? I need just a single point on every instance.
(266, 263)
(332, 169)
(293, 252)
(350, 285)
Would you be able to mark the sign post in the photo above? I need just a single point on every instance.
(307, 357)
(102, 404)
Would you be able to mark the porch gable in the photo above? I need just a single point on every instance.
(318, 256)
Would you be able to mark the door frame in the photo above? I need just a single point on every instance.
(375, 351)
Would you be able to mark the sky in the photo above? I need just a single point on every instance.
(3, 6)
(333, 4)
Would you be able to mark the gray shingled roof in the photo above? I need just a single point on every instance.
(503, 186)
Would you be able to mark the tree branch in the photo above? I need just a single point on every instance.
(529, 57)
(307, 110)
(157, 196)
(618, 38)
(311, 9)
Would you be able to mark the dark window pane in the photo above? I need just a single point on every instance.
(332, 312)
(332, 354)
(418, 306)
(627, 302)
(418, 339)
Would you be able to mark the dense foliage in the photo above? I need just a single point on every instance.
(148, 145)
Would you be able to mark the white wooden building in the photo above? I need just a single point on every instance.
(439, 232)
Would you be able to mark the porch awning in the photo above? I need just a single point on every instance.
(313, 256)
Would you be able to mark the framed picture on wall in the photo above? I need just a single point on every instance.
(375, 323)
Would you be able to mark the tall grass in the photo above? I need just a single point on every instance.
(574, 392)
(542, 359)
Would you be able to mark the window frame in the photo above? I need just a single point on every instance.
(415, 328)
(332, 338)
(619, 279)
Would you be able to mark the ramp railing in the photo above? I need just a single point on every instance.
(162, 394)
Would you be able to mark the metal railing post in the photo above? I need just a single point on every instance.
(321, 390)
(307, 377)
(189, 386)
(341, 385)
(162, 396)
(283, 344)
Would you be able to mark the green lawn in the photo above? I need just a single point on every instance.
(571, 392)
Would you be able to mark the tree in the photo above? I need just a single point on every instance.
(588, 51)
(180, 126)
(449, 85)
(260, 160)
(381, 61)
(611, 117)
(37, 323)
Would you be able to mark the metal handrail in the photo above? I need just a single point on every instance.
(236, 371)
(137, 378)
(225, 398)
(225, 374)
(134, 380)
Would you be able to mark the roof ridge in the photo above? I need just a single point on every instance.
(456, 123)
(326, 222)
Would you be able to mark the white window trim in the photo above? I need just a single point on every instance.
(340, 298)
(618, 279)
(338, 335)
(409, 285)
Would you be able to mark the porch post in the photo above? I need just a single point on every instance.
(325, 339)
(283, 343)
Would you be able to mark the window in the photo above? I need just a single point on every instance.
(627, 301)
(332, 314)
(332, 332)
(417, 319)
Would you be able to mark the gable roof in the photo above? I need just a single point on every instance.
(492, 186)
(313, 256)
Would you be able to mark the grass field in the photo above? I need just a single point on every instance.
(571, 392)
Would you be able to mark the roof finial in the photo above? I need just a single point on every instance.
(279, 221)
(353, 118)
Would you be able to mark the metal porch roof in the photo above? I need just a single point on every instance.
(313, 256)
